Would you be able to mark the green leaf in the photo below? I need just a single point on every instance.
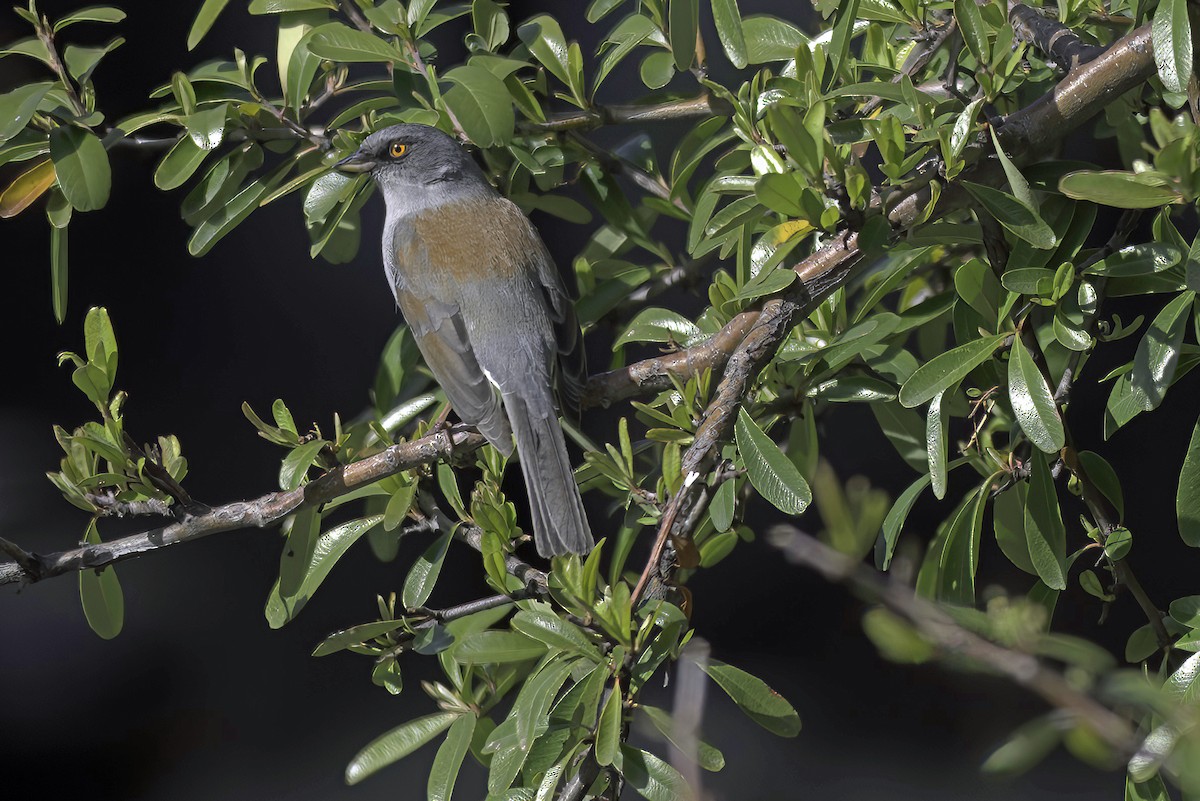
(100, 593)
(81, 163)
(1032, 401)
(81, 61)
(486, 647)
(1158, 353)
(1171, 33)
(204, 20)
(657, 69)
(1153, 789)
(1143, 259)
(397, 744)
(728, 21)
(1016, 216)
(761, 704)
(654, 779)
(683, 21)
(770, 39)
(179, 164)
(531, 708)
(1044, 530)
(974, 32)
(330, 547)
(1008, 519)
(660, 325)
(1117, 546)
(936, 421)
(608, 730)
(544, 38)
(946, 369)
(207, 127)
(296, 463)
(58, 271)
(212, 230)
(1101, 474)
(1025, 747)
(424, 573)
(843, 30)
(770, 471)
(355, 635)
(894, 522)
(338, 42)
(1187, 499)
(449, 758)
(706, 756)
(482, 104)
(107, 14)
(721, 508)
(628, 34)
(1123, 190)
(555, 632)
(18, 106)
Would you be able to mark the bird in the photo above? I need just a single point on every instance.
(488, 309)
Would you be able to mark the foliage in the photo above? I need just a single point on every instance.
(981, 266)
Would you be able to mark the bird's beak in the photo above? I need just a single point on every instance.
(356, 162)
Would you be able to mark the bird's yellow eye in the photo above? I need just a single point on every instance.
(397, 149)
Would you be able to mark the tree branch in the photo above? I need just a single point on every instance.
(701, 105)
(1056, 41)
(951, 639)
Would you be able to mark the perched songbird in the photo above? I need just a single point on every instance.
(488, 309)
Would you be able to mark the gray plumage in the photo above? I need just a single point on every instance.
(488, 310)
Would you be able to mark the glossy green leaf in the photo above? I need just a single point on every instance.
(204, 21)
(1045, 533)
(58, 271)
(653, 778)
(1118, 544)
(364, 632)
(894, 522)
(974, 33)
(1032, 400)
(106, 14)
(482, 104)
(770, 471)
(728, 21)
(81, 163)
(397, 744)
(544, 38)
(1016, 216)
(555, 632)
(211, 231)
(770, 39)
(608, 730)
(1171, 34)
(1124, 190)
(532, 706)
(1141, 259)
(207, 127)
(683, 20)
(1187, 498)
(936, 421)
(761, 704)
(424, 573)
(1008, 519)
(448, 761)
(179, 164)
(946, 369)
(82, 61)
(101, 595)
(706, 756)
(496, 646)
(843, 30)
(1101, 474)
(1153, 789)
(18, 106)
(1158, 353)
(657, 69)
(329, 548)
(338, 42)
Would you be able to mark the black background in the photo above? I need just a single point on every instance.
(199, 699)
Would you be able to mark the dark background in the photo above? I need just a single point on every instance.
(198, 699)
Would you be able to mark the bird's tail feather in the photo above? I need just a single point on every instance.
(559, 522)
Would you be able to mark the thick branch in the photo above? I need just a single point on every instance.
(951, 639)
(1056, 41)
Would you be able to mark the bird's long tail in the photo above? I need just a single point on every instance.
(559, 523)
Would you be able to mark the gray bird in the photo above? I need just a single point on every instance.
(489, 311)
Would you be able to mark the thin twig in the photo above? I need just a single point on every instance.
(951, 639)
